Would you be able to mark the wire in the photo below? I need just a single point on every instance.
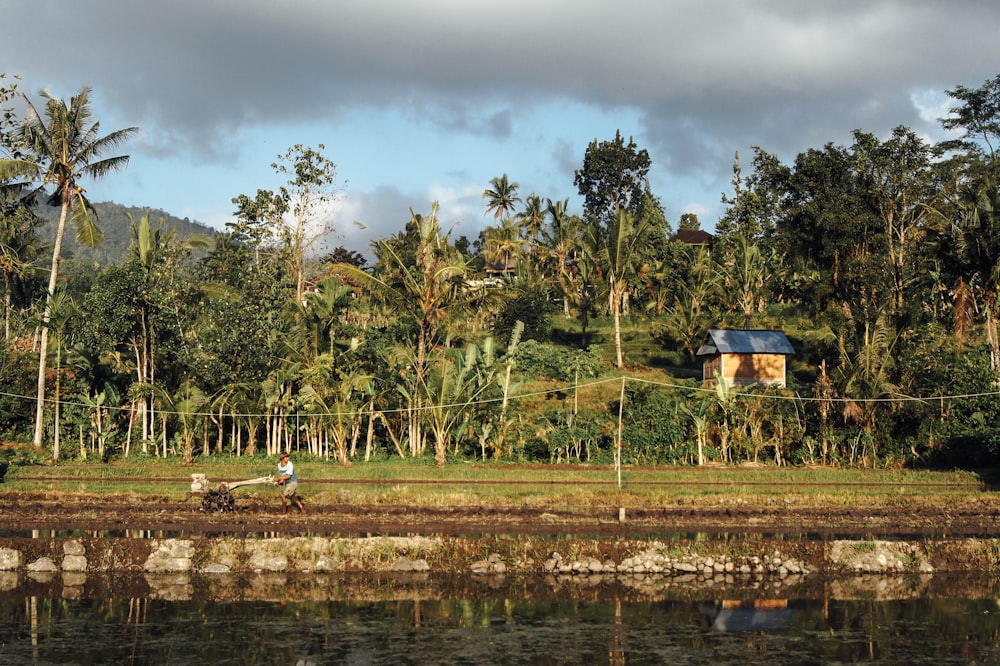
(559, 390)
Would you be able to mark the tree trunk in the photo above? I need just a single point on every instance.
(55, 413)
(615, 305)
(46, 316)
(991, 334)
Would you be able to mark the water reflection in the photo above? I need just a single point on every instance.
(522, 620)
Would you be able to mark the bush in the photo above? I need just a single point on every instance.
(17, 375)
(529, 305)
(569, 437)
(652, 432)
(536, 361)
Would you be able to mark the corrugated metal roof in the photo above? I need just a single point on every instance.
(736, 341)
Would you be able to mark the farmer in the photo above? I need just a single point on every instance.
(287, 478)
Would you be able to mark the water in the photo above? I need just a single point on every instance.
(279, 619)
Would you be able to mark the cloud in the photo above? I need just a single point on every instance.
(196, 73)
(449, 93)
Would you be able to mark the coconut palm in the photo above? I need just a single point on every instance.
(976, 236)
(18, 248)
(65, 145)
(560, 243)
(501, 244)
(532, 218)
(429, 294)
(616, 252)
(155, 254)
(502, 199)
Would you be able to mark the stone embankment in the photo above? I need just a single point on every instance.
(718, 561)
(322, 568)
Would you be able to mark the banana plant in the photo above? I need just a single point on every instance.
(450, 387)
(189, 403)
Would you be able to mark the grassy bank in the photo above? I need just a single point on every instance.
(403, 482)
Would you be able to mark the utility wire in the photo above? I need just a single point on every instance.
(562, 390)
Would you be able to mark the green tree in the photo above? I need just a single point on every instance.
(450, 386)
(532, 218)
(689, 222)
(866, 377)
(309, 191)
(614, 177)
(501, 197)
(426, 294)
(63, 310)
(978, 115)
(19, 244)
(501, 244)
(616, 255)
(297, 216)
(19, 247)
(156, 254)
(976, 240)
(745, 274)
(257, 219)
(64, 147)
(561, 244)
(825, 221)
(752, 209)
(895, 177)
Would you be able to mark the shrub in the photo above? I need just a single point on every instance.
(536, 360)
(529, 305)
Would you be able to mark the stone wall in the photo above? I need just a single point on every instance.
(492, 555)
(321, 568)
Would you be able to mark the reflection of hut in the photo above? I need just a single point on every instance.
(758, 615)
(745, 357)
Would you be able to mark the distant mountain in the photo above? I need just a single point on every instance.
(113, 221)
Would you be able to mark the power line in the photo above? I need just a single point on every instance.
(559, 390)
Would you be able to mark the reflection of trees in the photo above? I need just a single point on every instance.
(439, 621)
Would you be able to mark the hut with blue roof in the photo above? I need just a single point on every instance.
(744, 357)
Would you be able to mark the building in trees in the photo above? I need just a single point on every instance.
(744, 357)
(696, 238)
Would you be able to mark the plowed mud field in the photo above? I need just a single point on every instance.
(976, 515)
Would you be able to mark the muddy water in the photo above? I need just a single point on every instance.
(524, 620)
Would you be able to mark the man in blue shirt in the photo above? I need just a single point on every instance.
(286, 477)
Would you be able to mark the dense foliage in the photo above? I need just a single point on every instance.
(555, 337)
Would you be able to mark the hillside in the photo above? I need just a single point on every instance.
(113, 220)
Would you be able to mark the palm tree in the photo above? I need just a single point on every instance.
(502, 199)
(428, 292)
(18, 249)
(188, 403)
(500, 244)
(686, 320)
(155, 253)
(532, 218)
(322, 309)
(867, 377)
(450, 385)
(746, 272)
(561, 244)
(616, 252)
(65, 145)
(977, 242)
(63, 309)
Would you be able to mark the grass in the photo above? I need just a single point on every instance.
(497, 485)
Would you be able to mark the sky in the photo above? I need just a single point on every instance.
(423, 101)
